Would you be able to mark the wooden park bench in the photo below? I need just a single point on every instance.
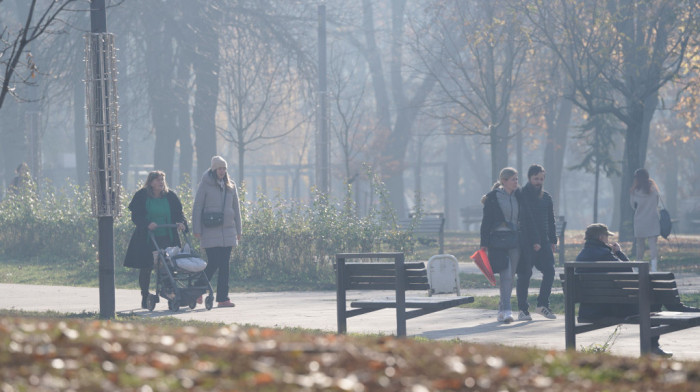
(471, 215)
(643, 289)
(398, 276)
(431, 224)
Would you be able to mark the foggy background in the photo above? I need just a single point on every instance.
(434, 96)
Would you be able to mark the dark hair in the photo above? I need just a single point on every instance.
(23, 167)
(228, 182)
(642, 181)
(534, 170)
(595, 230)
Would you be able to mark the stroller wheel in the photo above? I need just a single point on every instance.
(151, 301)
(173, 305)
(193, 304)
(209, 302)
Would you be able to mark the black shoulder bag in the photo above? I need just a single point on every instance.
(214, 219)
(504, 239)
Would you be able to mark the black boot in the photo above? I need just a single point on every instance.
(144, 301)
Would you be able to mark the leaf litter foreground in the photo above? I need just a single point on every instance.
(48, 354)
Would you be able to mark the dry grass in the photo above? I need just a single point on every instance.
(52, 354)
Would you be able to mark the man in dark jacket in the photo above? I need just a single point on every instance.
(541, 254)
(596, 248)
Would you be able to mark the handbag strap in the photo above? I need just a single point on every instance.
(223, 202)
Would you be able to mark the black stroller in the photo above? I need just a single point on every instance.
(180, 276)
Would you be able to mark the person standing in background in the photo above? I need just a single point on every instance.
(644, 198)
(216, 192)
(23, 179)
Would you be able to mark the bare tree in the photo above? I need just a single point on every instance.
(23, 23)
(397, 100)
(350, 123)
(31, 23)
(258, 91)
(631, 47)
(482, 59)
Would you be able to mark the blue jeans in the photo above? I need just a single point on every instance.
(506, 280)
(543, 260)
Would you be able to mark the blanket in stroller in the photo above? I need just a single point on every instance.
(184, 260)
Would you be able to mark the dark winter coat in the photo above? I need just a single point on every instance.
(493, 217)
(596, 250)
(542, 210)
(139, 253)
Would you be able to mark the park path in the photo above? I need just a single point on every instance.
(317, 310)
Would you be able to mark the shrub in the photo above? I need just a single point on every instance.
(282, 240)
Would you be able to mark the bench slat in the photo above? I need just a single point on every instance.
(412, 302)
(384, 280)
(408, 273)
(370, 268)
(597, 276)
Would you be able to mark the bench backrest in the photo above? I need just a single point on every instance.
(623, 287)
(560, 225)
(591, 284)
(381, 275)
(426, 224)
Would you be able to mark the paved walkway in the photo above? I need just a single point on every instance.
(316, 310)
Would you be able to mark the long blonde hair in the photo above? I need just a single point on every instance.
(505, 174)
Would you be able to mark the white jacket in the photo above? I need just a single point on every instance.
(646, 213)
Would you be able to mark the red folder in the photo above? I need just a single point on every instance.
(482, 261)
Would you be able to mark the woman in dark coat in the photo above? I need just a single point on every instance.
(504, 211)
(152, 205)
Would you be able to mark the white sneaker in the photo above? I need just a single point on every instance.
(524, 315)
(508, 317)
(505, 317)
(543, 310)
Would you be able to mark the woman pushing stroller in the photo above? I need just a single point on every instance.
(152, 205)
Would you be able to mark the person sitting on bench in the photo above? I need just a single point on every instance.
(597, 248)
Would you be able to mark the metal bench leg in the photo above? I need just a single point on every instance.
(340, 297)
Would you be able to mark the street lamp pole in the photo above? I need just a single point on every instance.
(103, 140)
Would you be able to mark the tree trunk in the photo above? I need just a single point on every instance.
(241, 158)
(634, 157)
(555, 147)
(160, 70)
(394, 149)
(670, 181)
(182, 126)
(499, 147)
(206, 69)
(14, 142)
(452, 202)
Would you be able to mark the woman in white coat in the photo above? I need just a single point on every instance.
(644, 198)
(217, 193)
